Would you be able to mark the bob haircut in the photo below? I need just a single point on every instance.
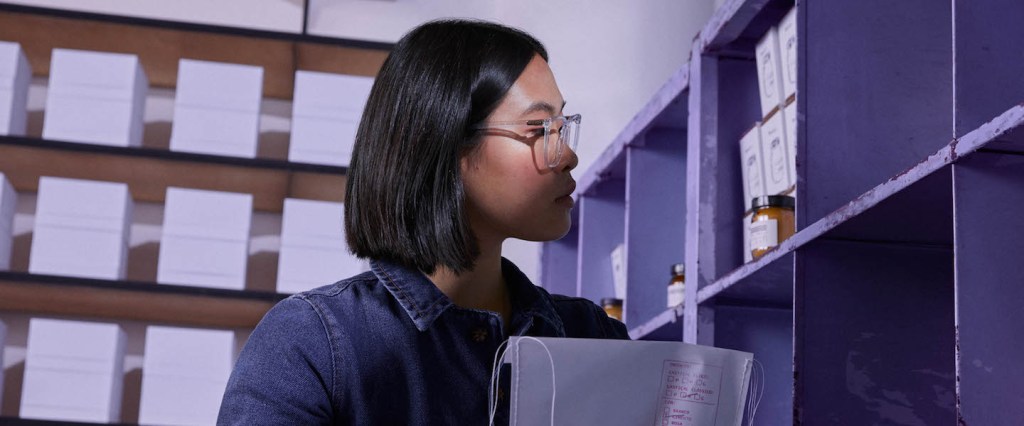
(404, 199)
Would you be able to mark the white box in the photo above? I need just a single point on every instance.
(325, 116)
(313, 248)
(618, 261)
(776, 155)
(769, 72)
(205, 238)
(95, 97)
(15, 76)
(789, 121)
(752, 166)
(787, 50)
(81, 229)
(8, 206)
(184, 375)
(217, 108)
(73, 371)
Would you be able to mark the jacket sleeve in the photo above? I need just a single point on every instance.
(285, 372)
(584, 319)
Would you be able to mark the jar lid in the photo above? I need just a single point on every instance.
(783, 201)
(611, 301)
(679, 269)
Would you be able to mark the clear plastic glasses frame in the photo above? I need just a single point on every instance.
(566, 127)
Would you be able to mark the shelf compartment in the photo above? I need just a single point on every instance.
(895, 91)
(148, 172)
(160, 44)
(876, 345)
(602, 215)
(989, 242)
(138, 301)
(666, 326)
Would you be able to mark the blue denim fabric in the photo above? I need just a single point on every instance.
(386, 347)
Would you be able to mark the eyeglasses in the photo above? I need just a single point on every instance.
(567, 129)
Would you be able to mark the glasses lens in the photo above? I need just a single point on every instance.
(566, 133)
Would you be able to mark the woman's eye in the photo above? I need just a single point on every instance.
(538, 132)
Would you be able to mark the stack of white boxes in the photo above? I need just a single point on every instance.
(217, 108)
(81, 229)
(325, 116)
(205, 239)
(313, 248)
(15, 76)
(95, 97)
(8, 205)
(768, 149)
(73, 371)
(184, 374)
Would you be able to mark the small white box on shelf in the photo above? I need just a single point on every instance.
(217, 108)
(325, 116)
(776, 155)
(81, 228)
(15, 76)
(184, 375)
(95, 97)
(313, 248)
(74, 371)
(618, 260)
(769, 72)
(787, 49)
(789, 123)
(752, 166)
(8, 205)
(205, 238)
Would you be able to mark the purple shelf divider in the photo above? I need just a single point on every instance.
(989, 197)
(655, 220)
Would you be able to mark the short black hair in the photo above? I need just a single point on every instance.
(404, 199)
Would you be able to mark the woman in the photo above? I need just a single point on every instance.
(462, 145)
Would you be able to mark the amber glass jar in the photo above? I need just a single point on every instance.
(612, 307)
(772, 223)
(677, 286)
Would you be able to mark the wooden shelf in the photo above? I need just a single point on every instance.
(148, 172)
(667, 326)
(160, 45)
(136, 301)
(15, 421)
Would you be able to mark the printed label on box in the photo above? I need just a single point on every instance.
(764, 234)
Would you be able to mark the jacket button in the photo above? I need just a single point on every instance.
(479, 335)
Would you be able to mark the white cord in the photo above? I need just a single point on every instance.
(492, 391)
(499, 355)
(756, 390)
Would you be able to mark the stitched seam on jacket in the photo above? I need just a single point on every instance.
(330, 344)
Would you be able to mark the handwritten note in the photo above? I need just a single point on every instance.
(689, 393)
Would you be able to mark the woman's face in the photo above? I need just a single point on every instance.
(510, 190)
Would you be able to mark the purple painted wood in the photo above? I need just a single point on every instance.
(655, 219)
(989, 194)
(875, 335)
(666, 326)
(874, 92)
(989, 64)
(601, 227)
(1002, 132)
(558, 263)
(728, 22)
(768, 334)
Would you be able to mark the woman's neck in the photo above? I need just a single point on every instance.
(482, 287)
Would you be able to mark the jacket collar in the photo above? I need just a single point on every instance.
(424, 302)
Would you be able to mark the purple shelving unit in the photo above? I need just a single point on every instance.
(898, 301)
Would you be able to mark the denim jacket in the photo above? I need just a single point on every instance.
(386, 347)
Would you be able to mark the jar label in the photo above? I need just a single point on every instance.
(764, 234)
(676, 295)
